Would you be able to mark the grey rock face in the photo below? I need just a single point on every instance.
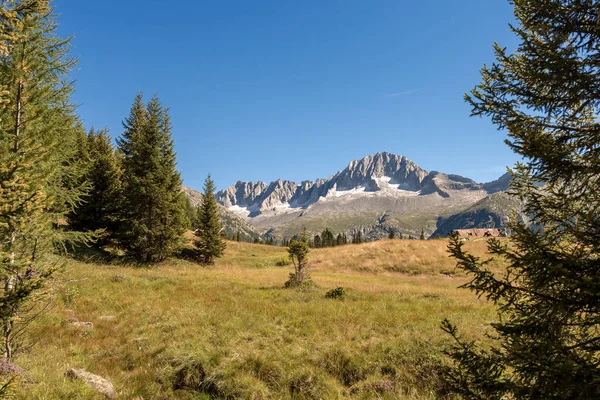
(241, 193)
(277, 193)
(360, 173)
(499, 185)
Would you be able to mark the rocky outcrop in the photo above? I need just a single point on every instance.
(400, 169)
(95, 382)
(241, 193)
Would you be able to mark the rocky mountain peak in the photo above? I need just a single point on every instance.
(400, 169)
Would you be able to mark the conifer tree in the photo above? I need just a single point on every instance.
(100, 208)
(153, 215)
(208, 241)
(422, 237)
(339, 240)
(38, 141)
(327, 238)
(391, 235)
(546, 96)
(357, 237)
(317, 242)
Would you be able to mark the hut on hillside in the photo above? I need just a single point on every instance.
(478, 233)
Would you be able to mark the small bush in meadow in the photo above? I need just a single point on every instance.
(337, 293)
(283, 261)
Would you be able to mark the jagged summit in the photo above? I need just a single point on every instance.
(383, 174)
(377, 193)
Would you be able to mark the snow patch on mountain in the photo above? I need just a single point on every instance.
(383, 187)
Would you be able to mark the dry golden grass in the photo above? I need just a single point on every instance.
(235, 326)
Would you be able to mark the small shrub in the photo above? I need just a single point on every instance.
(337, 293)
(293, 282)
(69, 295)
(283, 261)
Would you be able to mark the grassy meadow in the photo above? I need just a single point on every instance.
(184, 331)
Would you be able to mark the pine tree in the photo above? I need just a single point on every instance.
(327, 238)
(99, 210)
(38, 142)
(422, 237)
(153, 212)
(545, 95)
(339, 240)
(391, 235)
(358, 237)
(317, 242)
(208, 232)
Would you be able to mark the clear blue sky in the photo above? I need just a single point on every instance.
(261, 90)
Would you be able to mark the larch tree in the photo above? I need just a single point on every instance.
(38, 141)
(208, 242)
(298, 250)
(546, 95)
(152, 210)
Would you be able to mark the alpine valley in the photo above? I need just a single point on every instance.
(378, 194)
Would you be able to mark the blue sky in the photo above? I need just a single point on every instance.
(260, 90)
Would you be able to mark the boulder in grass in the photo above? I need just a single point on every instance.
(79, 324)
(73, 321)
(95, 382)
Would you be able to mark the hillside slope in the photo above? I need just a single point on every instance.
(492, 211)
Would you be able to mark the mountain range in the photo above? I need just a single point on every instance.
(376, 194)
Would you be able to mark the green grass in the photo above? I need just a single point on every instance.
(232, 331)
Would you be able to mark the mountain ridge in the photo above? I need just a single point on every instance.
(376, 194)
(372, 173)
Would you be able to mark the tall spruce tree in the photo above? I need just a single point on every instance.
(99, 210)
(209, 243)
(38, 141)
(152, 210)
(546, 95)
(327, 238)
